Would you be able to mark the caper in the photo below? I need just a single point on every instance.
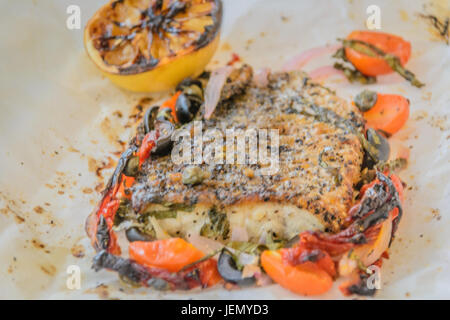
(193, 175)
(365, 100)
(132, 167)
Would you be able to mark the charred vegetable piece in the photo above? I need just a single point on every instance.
(393, 166)
(164, 142)
(228, 269)
(380, 143)
(142, 275)
(366, 100)
(353, 75)
(134, 234)
(193, 175)
(149, 118)
(121, 165)
(102, 234)
(358, 287)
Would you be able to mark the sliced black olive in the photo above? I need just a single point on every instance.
(164, 142)
(149, 118)
(132, 167)
(380, 143)
(228, 270)
(182, 108)
(134, 234)
(366, 100)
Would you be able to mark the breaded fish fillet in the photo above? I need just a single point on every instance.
(320, 157)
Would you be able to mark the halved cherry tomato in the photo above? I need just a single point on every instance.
(170, 254)
(389, 114)
(388, 43)
(307, 278)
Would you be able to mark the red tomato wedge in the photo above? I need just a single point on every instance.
(306, 279)
(170, 254)
(389, 114)
(388, 43)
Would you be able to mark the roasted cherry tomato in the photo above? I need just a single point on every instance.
(388, 43)
(307, 278)
(389, 114)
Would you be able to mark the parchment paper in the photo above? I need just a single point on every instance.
(61, 122)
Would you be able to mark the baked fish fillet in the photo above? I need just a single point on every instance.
(320, 158)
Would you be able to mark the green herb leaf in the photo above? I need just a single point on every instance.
(218, 226)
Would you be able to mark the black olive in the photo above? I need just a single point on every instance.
(134, 234)
(164, 142)
(365, 100)
(132, 167)
(229, 271)
(183, 109)
(149, 118)
(380, 143)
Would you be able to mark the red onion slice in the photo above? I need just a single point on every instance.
(300, 60)
(204, 244)
(239, 234)
(214, 89)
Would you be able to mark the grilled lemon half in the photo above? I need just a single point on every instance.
(151, 45)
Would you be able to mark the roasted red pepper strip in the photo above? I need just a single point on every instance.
(148, 143)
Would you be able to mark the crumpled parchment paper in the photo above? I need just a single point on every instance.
(62, 124)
